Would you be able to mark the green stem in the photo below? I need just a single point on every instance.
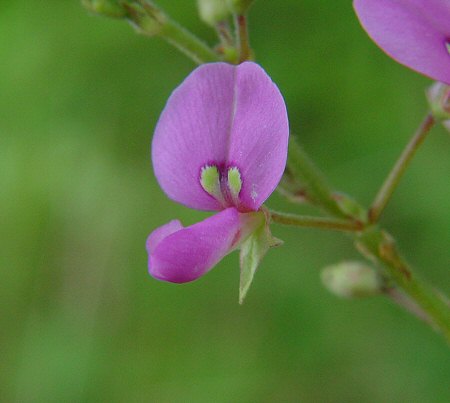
(403, 300)
(240, 21)
(371, 241)
(150, 20)
(188, 43)
(224, 34)
(314, 182)
(314, 222)
(393, 179)
(377, 244)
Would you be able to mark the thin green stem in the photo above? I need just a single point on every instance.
(393, 179)
(314, 222)
(312, 179)
(227, 47)
(188, 43)
(150, 20)
(243, 43)
(224, 33)
(372, 242)
(401, 299)
(380, 246)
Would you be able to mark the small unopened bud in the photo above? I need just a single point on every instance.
(239, 6)
(352, 280)
(108, 8)
(213, 11)
(439, 99)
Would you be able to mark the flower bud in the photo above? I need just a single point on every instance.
(213, 11)
(352, 279)
(439, 99)
(108, 8)
(239, 6)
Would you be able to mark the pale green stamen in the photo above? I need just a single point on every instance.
(234, 182)
(447, 45)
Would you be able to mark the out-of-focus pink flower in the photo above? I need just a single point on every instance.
(220, 144)
(415, 33)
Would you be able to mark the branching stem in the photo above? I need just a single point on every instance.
(393, 179)
(374, 243)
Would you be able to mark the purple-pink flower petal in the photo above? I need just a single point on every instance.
(223, 115)
(413, 32)
(180, 255)
(259, 138)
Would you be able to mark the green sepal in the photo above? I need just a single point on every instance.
(253, 250)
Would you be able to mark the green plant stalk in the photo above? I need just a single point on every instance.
(150, 20)
(372, 242)
(188, 43)
(243, 43)
(224, 34)
(376, 244)
(394, 177)
(314, 222)
(314, 182)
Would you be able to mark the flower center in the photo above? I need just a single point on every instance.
(447, 46)
(224, 184)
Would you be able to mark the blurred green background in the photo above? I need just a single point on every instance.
(82, 321)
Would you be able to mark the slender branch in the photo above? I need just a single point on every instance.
(404, 301)
(188, 43)
(380, 246)
(150, 20)
(227, 48)
(224, 33)
(372, 242)
(314, 222)
(243, 45)
(393, 179)
(306, 172)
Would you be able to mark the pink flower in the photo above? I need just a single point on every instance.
(415, 33)
(220, 144)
